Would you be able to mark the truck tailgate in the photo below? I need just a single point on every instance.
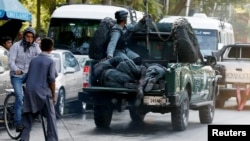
(237, 72)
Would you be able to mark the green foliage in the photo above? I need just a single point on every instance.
(155, 7)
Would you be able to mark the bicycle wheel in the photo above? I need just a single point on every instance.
(8, 112)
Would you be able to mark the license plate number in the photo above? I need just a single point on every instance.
(154, 100)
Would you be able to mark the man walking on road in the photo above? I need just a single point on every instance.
(40, 94)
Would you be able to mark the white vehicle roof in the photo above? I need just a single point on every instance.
(84, 11)
(199, 22)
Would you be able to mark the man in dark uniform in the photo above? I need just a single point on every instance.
(40, 92)
(120, 35)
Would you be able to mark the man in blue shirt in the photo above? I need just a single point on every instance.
(40, 94)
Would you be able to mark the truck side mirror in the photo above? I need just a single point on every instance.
(210, 60)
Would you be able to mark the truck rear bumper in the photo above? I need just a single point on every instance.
(105, 98)
(107, 89)
(229, 92)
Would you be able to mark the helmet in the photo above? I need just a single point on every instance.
(121, 15)
(29, 30)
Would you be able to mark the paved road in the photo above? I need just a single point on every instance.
(156, 127)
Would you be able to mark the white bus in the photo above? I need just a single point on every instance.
(73, 26)
(212, 34)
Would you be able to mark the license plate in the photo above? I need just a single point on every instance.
(154, 100)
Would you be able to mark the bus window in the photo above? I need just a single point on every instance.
(72, 34)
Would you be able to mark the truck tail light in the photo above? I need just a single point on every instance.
(86, 73)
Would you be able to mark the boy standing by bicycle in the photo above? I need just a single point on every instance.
(40, 94)
(20, 55)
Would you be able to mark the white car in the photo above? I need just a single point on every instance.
(82, 59)
(4, 76)
(69, 80)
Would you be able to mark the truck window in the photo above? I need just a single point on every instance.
(245, 52)
(234, 52)
(239, 52)
(72, 34)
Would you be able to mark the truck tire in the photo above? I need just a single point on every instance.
(103, 115)
(206, 113)
(136, 115)
(179, 116)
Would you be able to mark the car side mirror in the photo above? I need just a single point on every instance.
(69, 70)
(210, 60)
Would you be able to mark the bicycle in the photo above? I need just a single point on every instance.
(8, 116)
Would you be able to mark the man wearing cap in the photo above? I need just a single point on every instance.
(20, 55)
(119, 40)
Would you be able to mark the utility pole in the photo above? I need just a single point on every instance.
(166, 7)
(187, 7)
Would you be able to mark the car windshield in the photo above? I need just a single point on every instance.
(207, 39)
(56, 58)
(72, 34)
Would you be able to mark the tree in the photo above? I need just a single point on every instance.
(106, 2)
(85, 1)
(157, 8)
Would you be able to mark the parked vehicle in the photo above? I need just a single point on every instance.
(185, 86)
(212, 33)
(82, 59)
(73, 26)
(234, 66)
(68, 82)
(4, 76)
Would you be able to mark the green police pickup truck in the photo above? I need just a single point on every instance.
(185, 86)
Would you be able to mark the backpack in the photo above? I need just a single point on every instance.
(98, 44)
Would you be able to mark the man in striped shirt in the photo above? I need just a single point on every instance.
(20, 55)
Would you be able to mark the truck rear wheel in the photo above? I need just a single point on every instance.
(179, 116)
(103, 115)
(136, 115)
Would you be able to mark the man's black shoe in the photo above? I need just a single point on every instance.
(19, 128)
